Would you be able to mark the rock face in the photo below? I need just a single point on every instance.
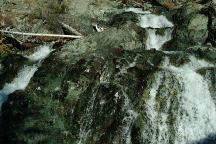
(110, 87)
(191, 27)
(170, 4)
(213, 22)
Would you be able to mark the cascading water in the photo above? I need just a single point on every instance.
(194, 117)
(41, 53)
(159, 108)
(25, 74)
(155, 40)
(86, 120)
(197, 108)
(158, 28)
(128, 120)
(19, 83)
(196, 112)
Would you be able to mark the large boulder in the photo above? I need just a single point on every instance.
(191, 27)
(80, 93)
(78, 101)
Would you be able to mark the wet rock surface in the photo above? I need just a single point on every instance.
(106, 88)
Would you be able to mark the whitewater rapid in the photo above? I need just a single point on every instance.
(26, 73)
(196, 113)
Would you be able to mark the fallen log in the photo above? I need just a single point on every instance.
(41, 35)
(70, 29)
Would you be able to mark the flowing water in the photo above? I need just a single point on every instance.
(86, 120)
(41, 53)
(197, 108)
(155, 40)
(179, 108)
(128, 120)
(196, 112)
(158, 28)
(25, 74)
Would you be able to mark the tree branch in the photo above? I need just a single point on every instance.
(41, 35)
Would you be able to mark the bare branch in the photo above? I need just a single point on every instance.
(41, 35)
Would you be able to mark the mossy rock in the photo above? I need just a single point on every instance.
(121, 19)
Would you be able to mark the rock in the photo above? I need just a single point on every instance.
(198, 31)
(8, 45)
(214, 4)
(6, 20)
(191, 27)
(167, 3)
(11, 41)
(64, 104)
(207, 53)
(213, 25)
(209, 74)
(83, 87)
(123, 18)
(95, 90)
(1, 69)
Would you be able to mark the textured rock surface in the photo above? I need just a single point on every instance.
(105, 88)
(191, 27)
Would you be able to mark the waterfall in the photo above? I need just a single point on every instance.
(128, 120)
(197, 109)
(86, 120)
(196, 113)
(157, 118)
(154, 21)
(25, 74)
(159, 107)
(41, 53)
(155, 40)
(158, 28)
(19, 83)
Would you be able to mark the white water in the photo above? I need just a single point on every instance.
(152, 23)
(157, 119)
(86, 120)
(198, 112)
(19, 83)
(149, 20)
(41, 53)
(25, 74)
(155, 40)
(196, 118)
(128, 120)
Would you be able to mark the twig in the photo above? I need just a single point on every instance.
(41, 35)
